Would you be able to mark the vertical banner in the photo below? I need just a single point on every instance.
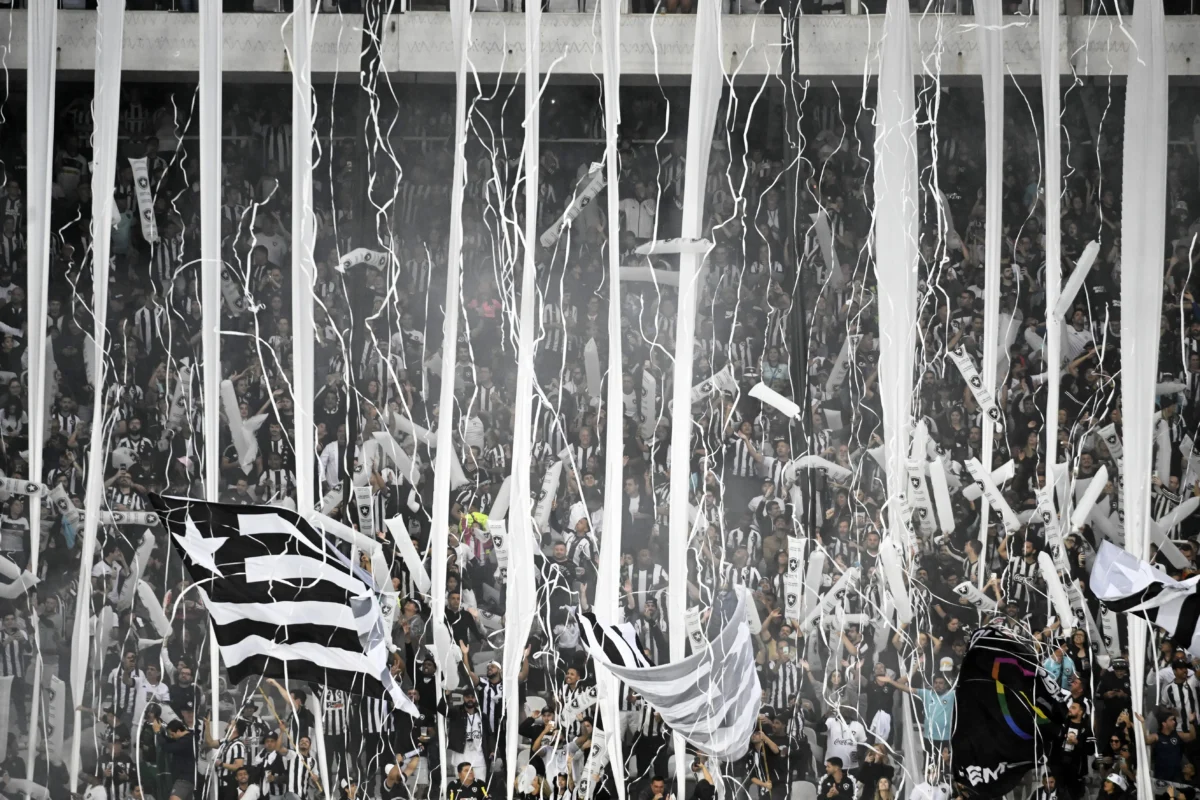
(106, 110)
(1049, 25)
(896, 233)
(608, 569)
(41, 75)
(303, 263)
(1143, 231)
(517, 551)
(708, 77)
(991, 45)
(215, 279)
(439, 540)
(366, 510)
(145, 199)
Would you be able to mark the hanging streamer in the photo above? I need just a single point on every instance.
(110, 24)
(1143, 231)
(896, 235)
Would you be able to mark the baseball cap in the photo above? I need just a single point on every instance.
(1117, 779)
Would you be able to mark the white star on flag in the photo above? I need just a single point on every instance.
(201, 549)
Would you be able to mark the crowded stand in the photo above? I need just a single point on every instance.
(780, 304)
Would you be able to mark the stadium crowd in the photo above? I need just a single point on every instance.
(777, 306)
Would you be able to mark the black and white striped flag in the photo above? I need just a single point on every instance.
(711, 698)
(284, 601)
(1125, 583)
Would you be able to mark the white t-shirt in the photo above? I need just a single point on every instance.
(844, 739)
(930, 791)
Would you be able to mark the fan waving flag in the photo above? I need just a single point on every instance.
(1125, 583)
(284, 601)
(711, 698)
(1009, 713)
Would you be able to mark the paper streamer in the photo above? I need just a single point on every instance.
(999, 476)
(110, 20)
(140, 560)
(1054, 588)
(575, 207)
(591, 364)
(976, 597)
(767, 395)
(408, 553)
(834, 471)
(897, 231)
(244, 442)
(832, 598)
(500, 505)
(813, 577)
(678, 245)
(1143, 231)
(941, 496)
(660, 277)
(29, 488)
(153, 606)
(141, 518)
(820, 221)
(391, 449)
(365, 257)
(841, 367)
(649, 405)
(232, 293)
(541, 510)
(417, 432)
(992, 493)
(1075, 282)
(893, 572)
(1090, 495)
(5, 706)
(723, 381)
(981, 393)
(19, 581)
(178, 410)
(145, 199)
(56, 719)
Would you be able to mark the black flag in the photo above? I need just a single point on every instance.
(1010, 712)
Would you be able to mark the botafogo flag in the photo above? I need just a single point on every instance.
(1009, 713)
(711, 698)
(284, 602)
(1123, 582)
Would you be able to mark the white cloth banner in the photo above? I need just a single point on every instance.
(145, 199)
(975, 383)
(1143, 231)
(575, 207)
(896, 235)
(992, 493)
(106, 110)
